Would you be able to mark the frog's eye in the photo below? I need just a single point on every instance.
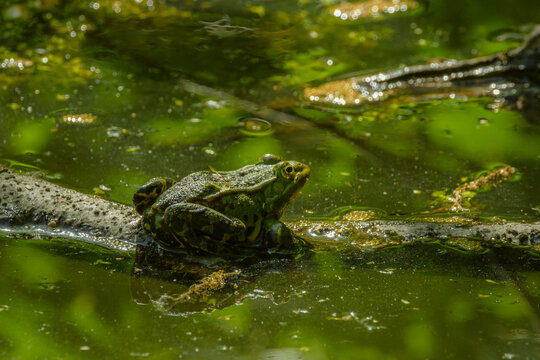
(287, 171)
(270, 159)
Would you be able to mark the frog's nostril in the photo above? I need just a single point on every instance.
(302, 172)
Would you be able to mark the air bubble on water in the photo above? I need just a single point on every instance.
(483, 121)
(253, 126)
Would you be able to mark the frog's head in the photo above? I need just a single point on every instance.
(290, 177)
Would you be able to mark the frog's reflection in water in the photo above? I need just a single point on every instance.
(179, 284)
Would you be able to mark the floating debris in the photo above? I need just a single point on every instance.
(209, 150)
(201, 291)
(372, 9)
(101, 190)
(339, 92)
(16, 63)
(459, 200)
(223, 29)
(369, 322)
(84, 119)
(359, 215)
(116, 132)
(213, 282)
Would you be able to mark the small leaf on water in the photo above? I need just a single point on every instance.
(105, 262)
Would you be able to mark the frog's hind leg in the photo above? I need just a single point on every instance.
(147, 194)
(203, 229)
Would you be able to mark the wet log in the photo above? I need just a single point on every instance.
(34, 208)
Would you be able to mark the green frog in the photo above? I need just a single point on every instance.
(224, 213)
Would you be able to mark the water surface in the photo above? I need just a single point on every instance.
(97, 97)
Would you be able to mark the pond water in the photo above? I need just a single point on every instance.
(100, 96)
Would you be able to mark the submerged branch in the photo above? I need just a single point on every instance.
(31, 207)
(461, 196)
(477, 77)
(461, 232)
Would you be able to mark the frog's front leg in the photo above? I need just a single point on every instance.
(277, 237)
(200, 227)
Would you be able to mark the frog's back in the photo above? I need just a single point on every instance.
(199, 185)
(189, 189)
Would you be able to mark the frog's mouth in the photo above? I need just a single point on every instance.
(302, 173)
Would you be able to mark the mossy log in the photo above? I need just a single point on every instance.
(32, 207)
(35, 208)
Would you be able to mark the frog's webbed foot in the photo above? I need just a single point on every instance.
(202, 228)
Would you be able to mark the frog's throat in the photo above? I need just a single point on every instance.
(251, 189)
(291, 191)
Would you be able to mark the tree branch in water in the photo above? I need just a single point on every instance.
(31, 207)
